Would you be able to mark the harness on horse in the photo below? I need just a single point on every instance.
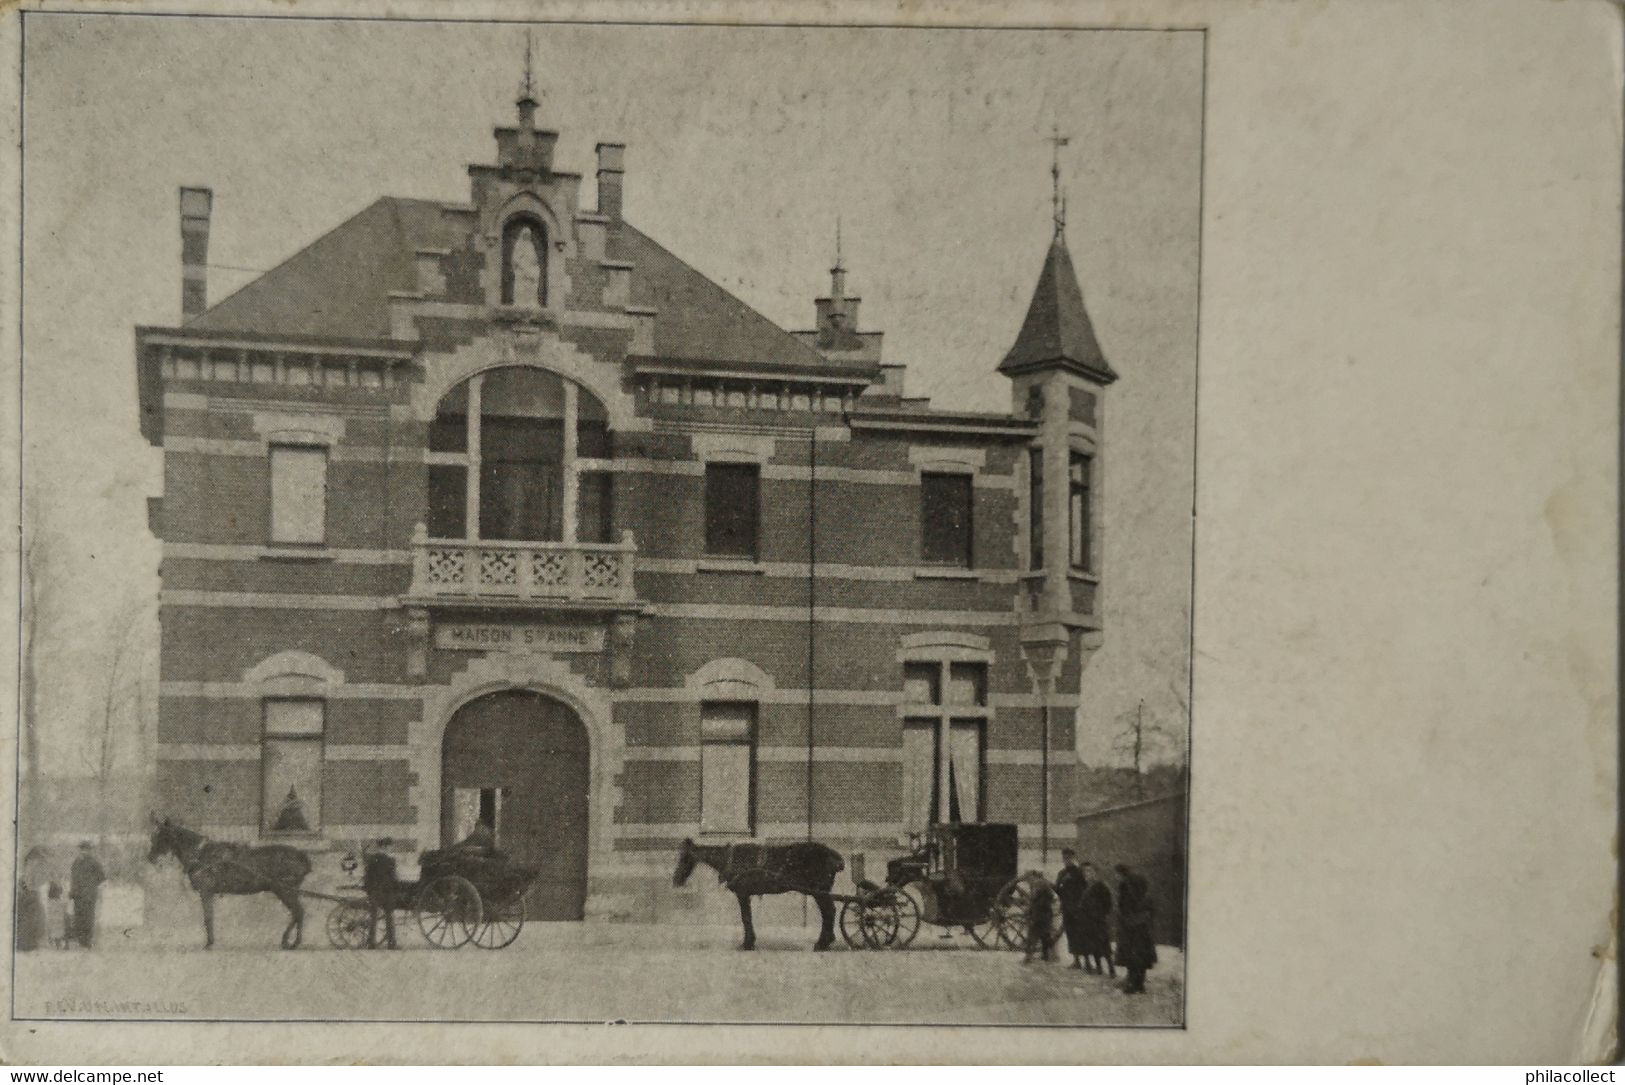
(778, 877)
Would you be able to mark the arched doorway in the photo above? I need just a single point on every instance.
(518, 760)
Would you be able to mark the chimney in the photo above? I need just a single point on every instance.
(195, 206)
(611, 166)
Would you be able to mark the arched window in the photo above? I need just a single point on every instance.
(524, 262)
(515, 455)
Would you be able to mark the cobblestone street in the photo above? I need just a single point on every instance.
(589, 972)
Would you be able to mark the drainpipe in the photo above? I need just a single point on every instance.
(812, 626)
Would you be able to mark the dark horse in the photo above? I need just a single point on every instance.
(235, 869)
(755, 870)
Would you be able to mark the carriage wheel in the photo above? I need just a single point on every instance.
(852, 923)
(348, 924)
(986, 932)
(502, 923)
(888, 919)
(1012, 908)
(911, 908)
(449, 911)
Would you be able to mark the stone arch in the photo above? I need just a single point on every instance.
(527, 204)
(948, 644)
(730, 679)
(539, 673)
(293, 671)
(543, 351)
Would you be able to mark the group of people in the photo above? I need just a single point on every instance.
(66, 916)
(1086, 907)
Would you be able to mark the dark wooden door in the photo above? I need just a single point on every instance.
(526, 756)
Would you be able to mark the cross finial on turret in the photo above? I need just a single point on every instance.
(837, 274)
(1057, 201)
(527, 91)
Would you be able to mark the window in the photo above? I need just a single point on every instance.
(944, 736)
(1035, 508)
(291, 765)
(524, 263)
(298, 494)
(499, 460)
(727, 767)
(945, 519)
(731, 509)
(1078, 508)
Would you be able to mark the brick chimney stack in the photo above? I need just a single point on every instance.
(611, 167)
(196, 204)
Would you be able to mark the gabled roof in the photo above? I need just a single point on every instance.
(699, 320)
(340, 284)
(1057, 329)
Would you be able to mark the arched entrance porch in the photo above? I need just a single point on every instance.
(520, 761)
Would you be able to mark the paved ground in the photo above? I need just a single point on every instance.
(585, 972)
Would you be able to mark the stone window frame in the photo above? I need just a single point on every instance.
(736, 450)
(293, 675)
(943, 648)
(731, 680)
(1082, 442)
(280, 430)
(947, 460)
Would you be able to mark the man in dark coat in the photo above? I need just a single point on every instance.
(1095, 923)
(378, 880)
(1069, 887)
(84, 886)
(1136, 949)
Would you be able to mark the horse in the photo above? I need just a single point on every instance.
(214, 869)
(754, 870)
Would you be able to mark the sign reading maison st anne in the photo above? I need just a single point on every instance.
(484, 637)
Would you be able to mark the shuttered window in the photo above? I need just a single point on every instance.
(727, 767)
(731, 509)
(298, 494)
(945, 519)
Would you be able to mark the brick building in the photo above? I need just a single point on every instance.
(500, 511)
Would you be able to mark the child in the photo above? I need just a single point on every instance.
(56, 915)
(1041, 922)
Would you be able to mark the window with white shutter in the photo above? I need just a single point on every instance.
(298, 494)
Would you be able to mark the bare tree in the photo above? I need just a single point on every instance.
(1137, 738)
(121, 691)
(39, 602)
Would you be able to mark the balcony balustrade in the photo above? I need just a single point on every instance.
(522, 572)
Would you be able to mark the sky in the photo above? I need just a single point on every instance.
(744, 146)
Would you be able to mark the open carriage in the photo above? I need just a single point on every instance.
(954, 876)
(462, 896)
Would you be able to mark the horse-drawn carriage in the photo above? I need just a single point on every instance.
(466, 893)
(954, 876)
(463, 895)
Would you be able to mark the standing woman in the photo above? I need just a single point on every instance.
(1069, 886)
(1096, 923)
(1136, 950)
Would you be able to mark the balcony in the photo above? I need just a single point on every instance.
(568, 574)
